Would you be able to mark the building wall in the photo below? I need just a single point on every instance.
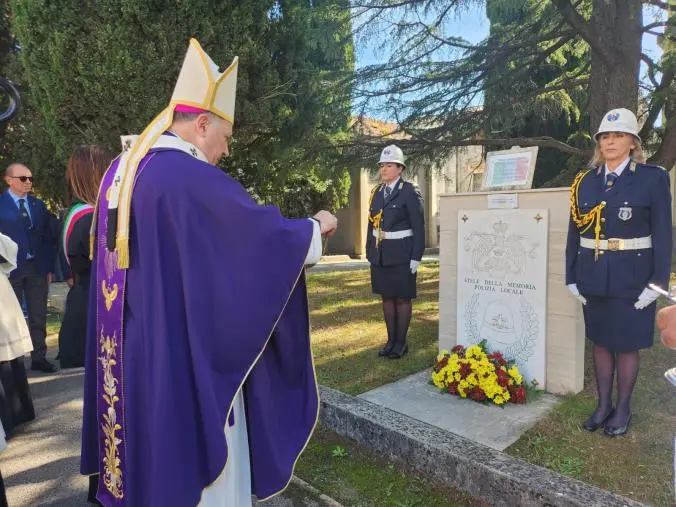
(347, 239)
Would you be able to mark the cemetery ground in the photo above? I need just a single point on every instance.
(347, 331)
(337, 467)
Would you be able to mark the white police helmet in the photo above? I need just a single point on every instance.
(392, 154)
(618, 120)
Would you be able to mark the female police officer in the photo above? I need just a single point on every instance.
(394, 246)
(619, 240)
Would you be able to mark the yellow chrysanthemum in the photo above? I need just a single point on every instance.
(474, 351)
(515, 374)
(439, 380)
(483, 374)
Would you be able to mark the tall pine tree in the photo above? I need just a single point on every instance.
(434, 82)
(517, 112)
(98, 70)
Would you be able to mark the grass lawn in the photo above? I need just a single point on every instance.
(639, 464)
(348, 330)
(358, 477)
(53, 322)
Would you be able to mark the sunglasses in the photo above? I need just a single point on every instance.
(23, 179)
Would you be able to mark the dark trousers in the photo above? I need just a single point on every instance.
(16, 403)
(28, 283)
(3, 496)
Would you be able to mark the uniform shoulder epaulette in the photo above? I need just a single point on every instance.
(579, 176)
(652, 166)
(413, 185)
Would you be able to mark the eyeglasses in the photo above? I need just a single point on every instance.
(23, 179)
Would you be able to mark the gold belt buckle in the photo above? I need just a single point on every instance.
(615, 244)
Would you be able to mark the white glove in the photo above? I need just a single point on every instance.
(670, 375)
(573, 290)
(647, 297)
(414, 266)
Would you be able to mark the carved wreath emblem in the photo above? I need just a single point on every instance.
(523, 345)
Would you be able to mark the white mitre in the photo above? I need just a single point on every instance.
(200, 86)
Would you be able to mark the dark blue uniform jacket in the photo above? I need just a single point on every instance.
(638, 205)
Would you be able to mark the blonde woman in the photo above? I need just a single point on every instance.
(619, 240)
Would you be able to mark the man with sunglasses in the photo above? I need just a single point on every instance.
(26, 221)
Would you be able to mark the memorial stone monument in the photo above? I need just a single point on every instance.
(502, 273)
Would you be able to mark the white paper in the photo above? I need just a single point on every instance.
(503, 201)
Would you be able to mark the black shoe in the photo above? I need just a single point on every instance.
(385, 351)
(616, 431)
(398, 353)
(592, 426)
(44, 366)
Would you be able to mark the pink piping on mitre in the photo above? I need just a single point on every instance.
(182, 108)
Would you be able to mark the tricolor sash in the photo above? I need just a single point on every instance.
(75, 213)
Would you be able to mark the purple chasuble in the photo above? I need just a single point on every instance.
(214, 299)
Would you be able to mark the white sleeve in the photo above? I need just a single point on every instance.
(314, 253)
(8, 250)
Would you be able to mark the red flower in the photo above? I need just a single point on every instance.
(458, 349)
(465, 370)
(518, 394)
(441, 364)
(477, 394)
(497, 358)
(503, 377)
(452, 388)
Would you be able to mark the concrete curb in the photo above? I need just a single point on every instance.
(327, 500)
(482, 472)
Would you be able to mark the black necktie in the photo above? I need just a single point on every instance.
(25, 217)
(388, 191)
(24, 214)
(610, 180)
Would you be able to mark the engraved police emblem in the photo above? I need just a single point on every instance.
(624, 213)
(613, 116)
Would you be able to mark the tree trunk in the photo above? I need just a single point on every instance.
(665, 155)
(617, 25)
